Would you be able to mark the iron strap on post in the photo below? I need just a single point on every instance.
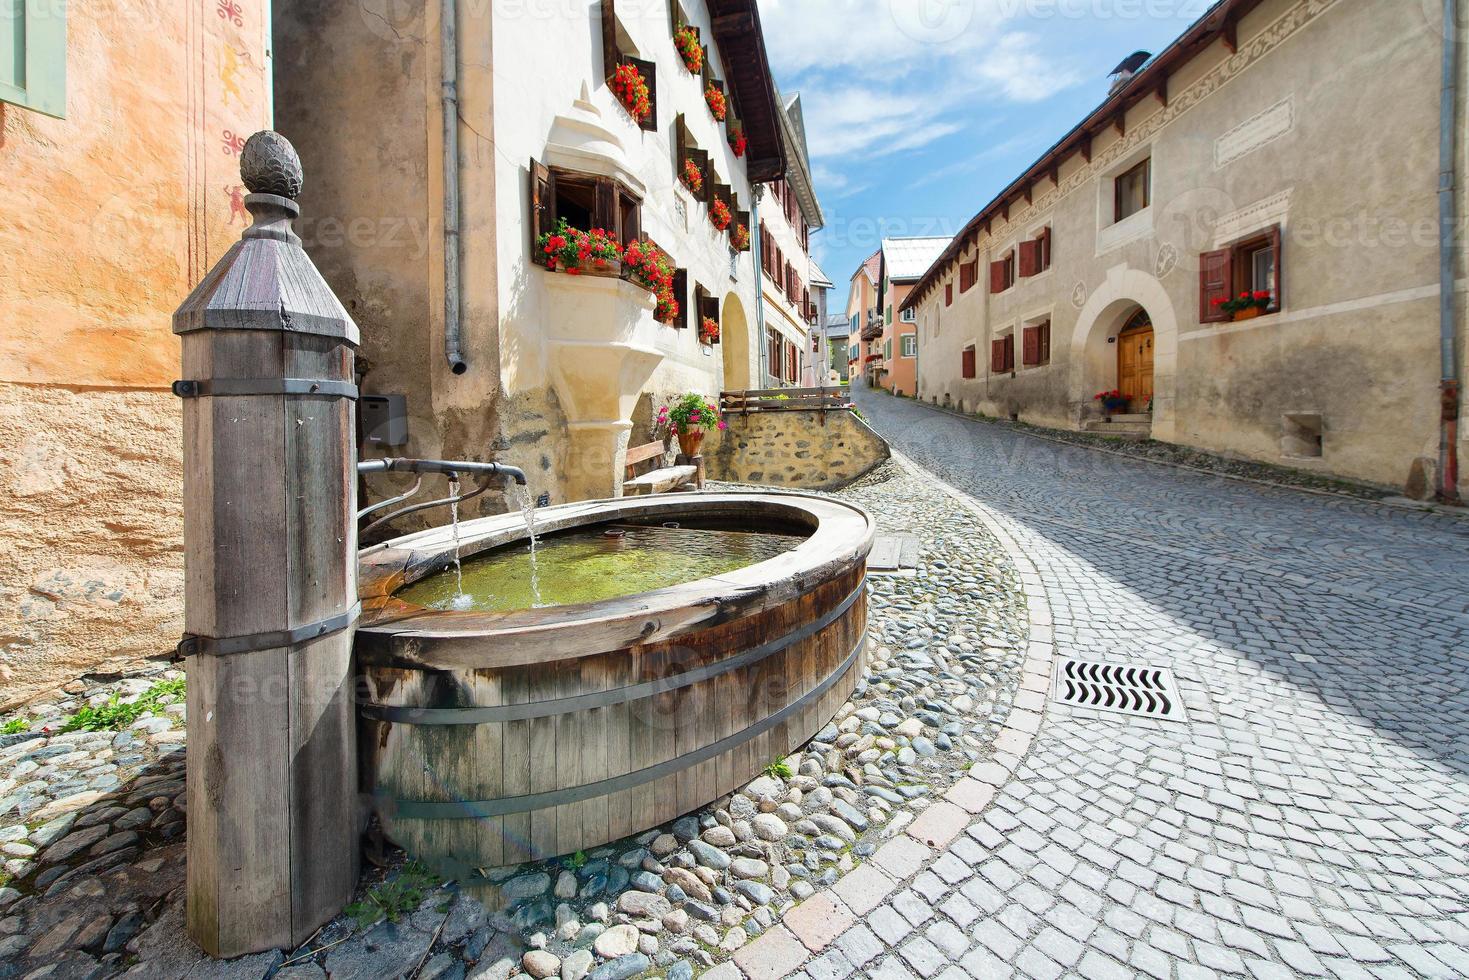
(228, 387)
(482, 809)
(226, 646)
(404, 715)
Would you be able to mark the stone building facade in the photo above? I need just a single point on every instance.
(902, 262)
(120, 190)
(553, 372)
(1281, 147)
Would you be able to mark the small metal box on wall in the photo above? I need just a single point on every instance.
(384, 420)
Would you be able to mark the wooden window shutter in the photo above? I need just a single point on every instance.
(997, 276)
(1045, 241)
(609, 38)
(997, 356)
(1030, 346)
(542, 207)
(1043, 333)
(1009, 352)
(33, 63)
(968, 370)
(680, 143)
(1030, 258)
(1216, 281)
(605, 214)
(948, 294)
(1275, 242)
(681, 294)
(650, 75)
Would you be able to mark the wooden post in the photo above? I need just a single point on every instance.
(270, 568)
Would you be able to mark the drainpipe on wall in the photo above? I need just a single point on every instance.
(1448, 262)
(453, 315)
(757, 192)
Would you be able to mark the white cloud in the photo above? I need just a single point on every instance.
(879, 77)
(897, 36)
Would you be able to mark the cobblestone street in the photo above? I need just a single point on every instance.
(1310, 817)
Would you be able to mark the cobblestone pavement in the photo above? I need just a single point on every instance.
(1311, 816)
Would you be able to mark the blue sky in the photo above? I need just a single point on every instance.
(919, 111)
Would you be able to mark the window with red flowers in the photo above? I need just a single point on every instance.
(618, 50)
(1252, 265)
(585, 201)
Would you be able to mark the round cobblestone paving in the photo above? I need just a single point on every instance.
(1311, 815)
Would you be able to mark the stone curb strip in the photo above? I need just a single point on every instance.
(810, 927)
(1395, 503)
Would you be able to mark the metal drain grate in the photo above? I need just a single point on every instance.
(1149, 692)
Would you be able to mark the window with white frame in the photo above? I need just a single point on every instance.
(910, 315)
(910, 345)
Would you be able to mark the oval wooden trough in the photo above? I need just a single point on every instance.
(489, 739)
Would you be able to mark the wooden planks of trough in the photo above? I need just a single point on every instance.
(492, 739)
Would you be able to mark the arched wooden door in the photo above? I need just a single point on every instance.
(1135, 360)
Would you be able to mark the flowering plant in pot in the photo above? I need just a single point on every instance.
(574, 251)
(631, 89)
(689, 417)
(686, 40)
(719, 214)
(737, 141)
(716, 101)
(1245, 306)
(650, 268)
(1112, 401)
(709, 330)
(740, 238)
(692, 176)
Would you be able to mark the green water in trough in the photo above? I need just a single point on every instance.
(588, 566)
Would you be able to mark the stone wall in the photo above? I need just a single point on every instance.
(796, 450)
(91, 532)
(112, 214)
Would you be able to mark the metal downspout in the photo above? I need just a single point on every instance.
(453, 314)
(1448, 261)
(757, 192)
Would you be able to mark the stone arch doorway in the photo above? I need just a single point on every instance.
(734, 343)
(1128, 298)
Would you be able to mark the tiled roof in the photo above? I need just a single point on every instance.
(909, 258)
(873, 267)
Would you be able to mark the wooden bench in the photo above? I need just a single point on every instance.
(661, 479)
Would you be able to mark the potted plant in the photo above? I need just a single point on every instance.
(689, 418)
(1245, 306)
(719, 214)
(631, 89)
(686, 40)
(736, 137)
(709, 331)
(650, 268)
(574, 251)
(692, 176)
(740, 238)
(1112, 401)
(716, 101)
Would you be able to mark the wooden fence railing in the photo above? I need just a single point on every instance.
(784, 400)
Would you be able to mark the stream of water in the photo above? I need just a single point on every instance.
(528, 513)
(460, 600)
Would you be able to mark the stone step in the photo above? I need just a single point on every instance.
(1139, 417)
(1137, 431)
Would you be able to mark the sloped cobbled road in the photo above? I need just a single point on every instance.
(1311, 815)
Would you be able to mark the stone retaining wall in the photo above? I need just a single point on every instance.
(805, 450)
